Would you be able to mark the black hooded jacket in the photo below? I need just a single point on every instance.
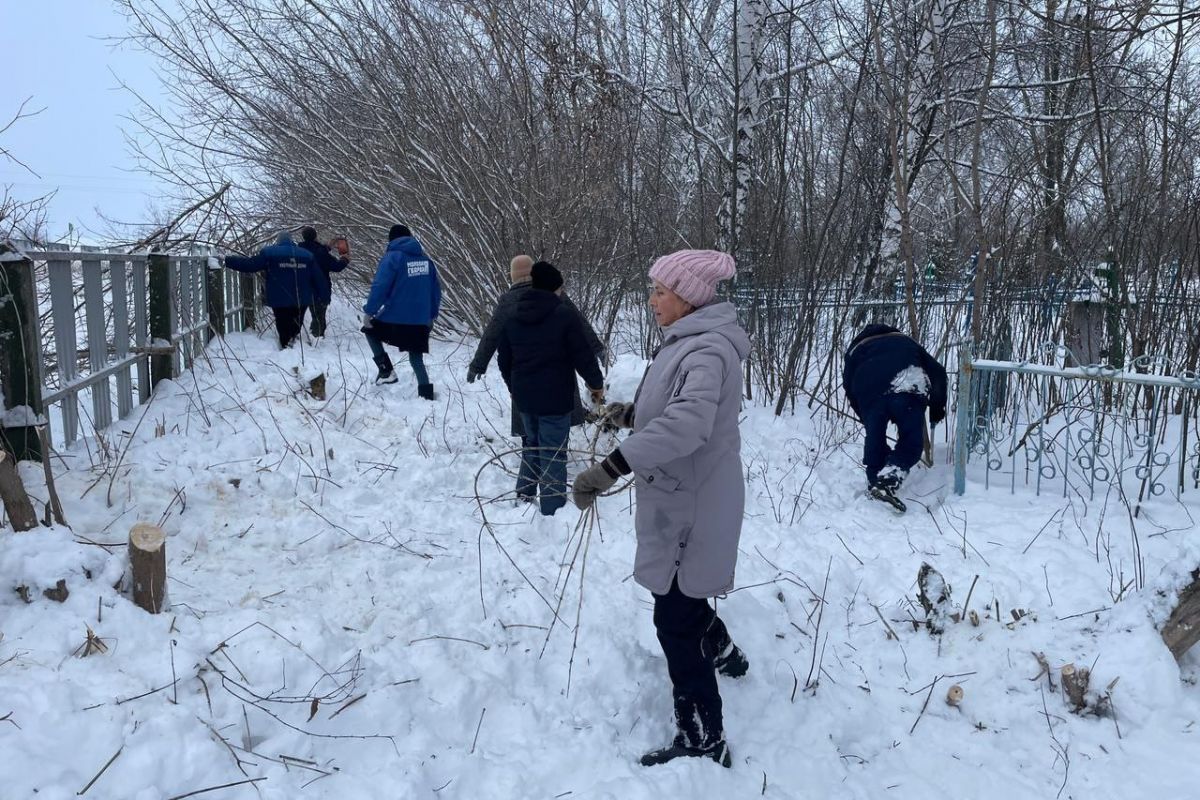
(541, 347)
(876, 356)
(327, 263)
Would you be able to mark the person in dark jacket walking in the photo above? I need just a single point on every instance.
(541, 347)
(685, 455)
(326, 264)
(290, 285)
(519, 274)
(889, 377)
(405, 299)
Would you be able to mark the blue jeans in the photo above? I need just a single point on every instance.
(907, 411)
(544, 460)
(415, 360)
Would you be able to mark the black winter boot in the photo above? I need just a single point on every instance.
(425, 391)
(732, 663)
(727, 657)
(699, 733)
(386, 373)
(718, 752)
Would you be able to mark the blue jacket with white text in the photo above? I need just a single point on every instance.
(406, 289)
(292, 279)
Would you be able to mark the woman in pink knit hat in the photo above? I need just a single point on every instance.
(685, 454)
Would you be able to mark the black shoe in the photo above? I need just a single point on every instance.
(425, 391)
(888, 496)
(718, 752)
(733, 664)
(386, 373)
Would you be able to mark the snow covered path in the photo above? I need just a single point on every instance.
(334, 550)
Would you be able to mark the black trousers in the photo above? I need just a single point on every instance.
(289, 320)
(318, 325)
(907, 411)
(692, 636)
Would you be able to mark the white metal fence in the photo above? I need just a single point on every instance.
(141, 318)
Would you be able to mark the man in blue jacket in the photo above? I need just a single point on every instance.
(540, 348)
(404, 302)
(290, 286)
(326, 264)
(889, 377)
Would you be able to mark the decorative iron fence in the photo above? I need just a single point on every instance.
(143, 317)
(1083, 429)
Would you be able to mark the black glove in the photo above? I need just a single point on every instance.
(936, 415)
(472, 376)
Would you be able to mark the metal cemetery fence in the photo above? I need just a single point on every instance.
(142, 318)
(1082, 429)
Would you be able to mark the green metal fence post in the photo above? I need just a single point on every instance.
(216, 302)
(162, 320)
(20, 357)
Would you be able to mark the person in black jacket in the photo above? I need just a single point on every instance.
(326, 264)
(541, 347)
(889, 377)
(519, 275)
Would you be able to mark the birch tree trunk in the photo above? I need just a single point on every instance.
(748, 109)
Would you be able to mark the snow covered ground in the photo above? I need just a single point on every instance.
(343, 626)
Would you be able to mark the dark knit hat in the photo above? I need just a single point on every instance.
(546, 276)
(397, 231)
(308, 234)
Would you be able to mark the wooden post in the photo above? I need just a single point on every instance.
(162, 317)
(216, 303)
(14, 497)
(1085, 332)
(20, 357)
(148, 566)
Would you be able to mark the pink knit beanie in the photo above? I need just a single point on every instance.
(693, 274)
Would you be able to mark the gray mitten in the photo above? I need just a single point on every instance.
(618, 415)
(590, 484)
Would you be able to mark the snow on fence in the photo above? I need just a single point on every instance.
(142, 318)
(1082, 429)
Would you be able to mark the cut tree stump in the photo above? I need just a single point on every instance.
(316, 387)
(148, 566)
(59, 593)
(1182, 628)
(13, 495)
(1075, 682)
(934, 596)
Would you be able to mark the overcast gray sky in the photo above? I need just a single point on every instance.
(56, 52)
